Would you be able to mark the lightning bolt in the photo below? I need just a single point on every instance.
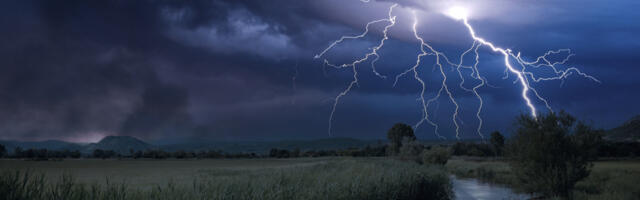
(523, 76)
(374, 53)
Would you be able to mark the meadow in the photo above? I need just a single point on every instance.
(608, 179)
(304, 178)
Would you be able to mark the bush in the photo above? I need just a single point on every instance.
(411, 150)
(436, 155)
(549, 154)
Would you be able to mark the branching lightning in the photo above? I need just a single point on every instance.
(374, 52)
(523, 76)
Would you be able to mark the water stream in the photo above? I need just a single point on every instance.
(472, 189)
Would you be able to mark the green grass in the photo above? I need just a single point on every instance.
(334, 178)
(611, 180)
(146, 173)
(608, 179)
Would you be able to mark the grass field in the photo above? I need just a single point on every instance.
(145, 173)
(323, 178)
(608, 179)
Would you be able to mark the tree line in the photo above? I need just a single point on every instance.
(496, 148)
(47, 154)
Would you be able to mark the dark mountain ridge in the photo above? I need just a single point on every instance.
(628, 131)
(119, 144)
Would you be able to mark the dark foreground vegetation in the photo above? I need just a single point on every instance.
(551, 156)
(334, 179)
(43, 154)
(607, 180)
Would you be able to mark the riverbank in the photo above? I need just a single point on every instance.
(608, 179)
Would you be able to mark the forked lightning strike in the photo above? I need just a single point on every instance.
(441, 61)
(374, 52)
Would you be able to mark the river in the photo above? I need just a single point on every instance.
(472, 189)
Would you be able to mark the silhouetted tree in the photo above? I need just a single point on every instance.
(137, 154)
(3, 151)
(397, 134)
(549, 154)
(18, 152)
(295, 153)
(279, 153)
(497, 143)
(75, 154)
(98, 153)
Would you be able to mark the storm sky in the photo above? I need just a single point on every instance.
(173, 71)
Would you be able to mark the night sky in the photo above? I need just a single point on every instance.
(176, 71)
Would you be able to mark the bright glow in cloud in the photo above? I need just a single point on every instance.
(458, 13)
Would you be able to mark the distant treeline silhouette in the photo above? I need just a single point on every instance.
(494, 148)
(611, 149)
(47, 154)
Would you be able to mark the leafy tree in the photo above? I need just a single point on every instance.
(497, 143)
(397, 134)
(549, 154)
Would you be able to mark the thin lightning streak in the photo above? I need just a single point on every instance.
(366, 31)
(444, 87)
(374, 52)
(425, 105)
(475, 90)
(460, 66)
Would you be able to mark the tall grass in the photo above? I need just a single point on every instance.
(340, 179)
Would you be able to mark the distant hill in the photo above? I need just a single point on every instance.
(120, 144)
(629, 131)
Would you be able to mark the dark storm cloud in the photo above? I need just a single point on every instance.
(74, 70)
(223, 69)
